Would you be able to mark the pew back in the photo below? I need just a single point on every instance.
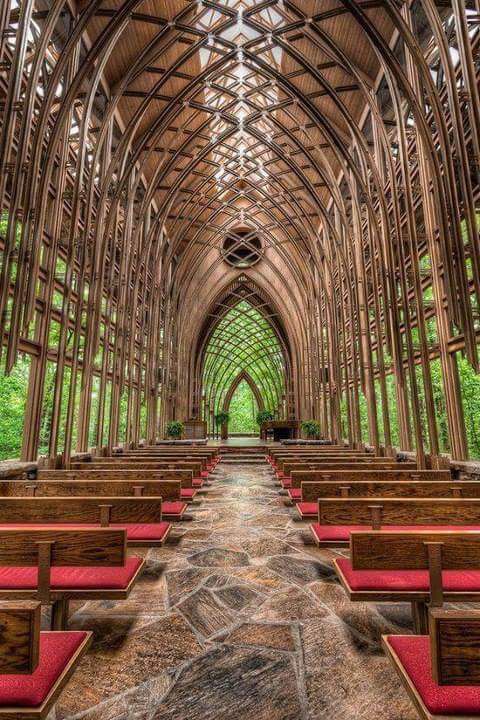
(455, 639)
(368, 475)
(166, 489)
(399, 511)
(409, 550)
(80, 510)
(312, 491)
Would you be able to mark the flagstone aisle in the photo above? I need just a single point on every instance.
(238, 617)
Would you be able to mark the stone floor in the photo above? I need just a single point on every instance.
(238, 617)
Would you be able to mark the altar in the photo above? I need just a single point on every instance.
(280, 430)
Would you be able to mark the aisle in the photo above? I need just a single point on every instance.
(237, 618)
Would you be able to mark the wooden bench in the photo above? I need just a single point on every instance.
(35, 666)
(306, 497)
(140, 517)
(440, 671)
(185, 477)
(280, 467)
(339, 517)
(419, 567)
(198, 475)
(286, 478)
(57, 564)
(173, 507)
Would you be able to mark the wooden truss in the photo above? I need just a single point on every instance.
(137, 135)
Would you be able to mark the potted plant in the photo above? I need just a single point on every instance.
(311, 428)
(222, 419)
(175, 429)
(264, 416)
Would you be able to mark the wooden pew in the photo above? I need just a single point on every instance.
(133, 475)
(194, 468)
(35, 666)
(440, 671)
(57, 564)
(135, 460)
(418, 567)
(173, 507)
(418, 483)
(286, 481)
(283, 461)
(141, 517)
(339, 517)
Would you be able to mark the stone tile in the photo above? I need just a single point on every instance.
(219, 557)
(206, 613)
(238, 683)
(300, 570)
(279, 636)
(123, 657)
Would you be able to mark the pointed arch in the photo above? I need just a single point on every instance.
(244, 375)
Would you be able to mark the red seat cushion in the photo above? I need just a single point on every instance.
(307, 509)
(204, 474)
(453, 580)
(173, 508)
(78, 578)
(187, 493)
(280, 474)
(286, 483)
(295, 494)
(342, 532)
(197, 482)
(414, 654)
(135, 531)
(56, 650)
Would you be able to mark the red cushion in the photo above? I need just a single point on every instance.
(307, 509)
(204, 474)
(62, 578)
(135, 531)
(414, 654)
(173, 508)
(286, 483)
(197, 482)
(295, 494)
(56, 650)
(342, 532)
(452, 580)
(187, 493)
(280, 474)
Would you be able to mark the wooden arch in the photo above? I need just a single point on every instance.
(231, 392)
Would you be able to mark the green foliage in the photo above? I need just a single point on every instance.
(222, 418)
(243, 408)
(311, 428)
(470, 384)
(264, 416)
(13, 395)
(175, 429)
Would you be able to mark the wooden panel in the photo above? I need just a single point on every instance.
(313, 491)
(408, 551)
(127, 475)
(195, 429)
(78, 510)
(367, 475)
(166, 489)
(195, 467)
(400, 511)
(297, 467)
(19, 637)
(100, 547)
(455, 646)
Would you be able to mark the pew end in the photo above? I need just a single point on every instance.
(441, 670)
(35, 666)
